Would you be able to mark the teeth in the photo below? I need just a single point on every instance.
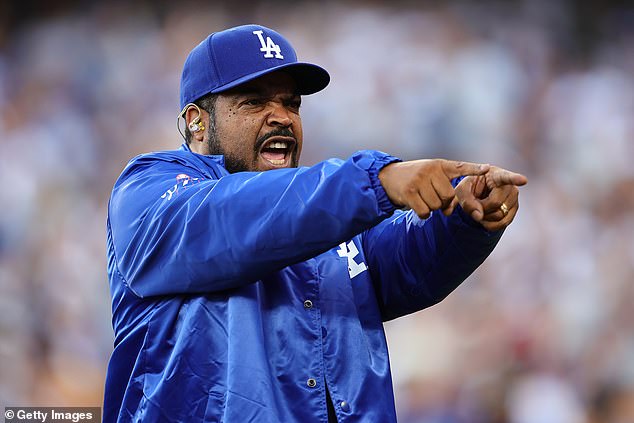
(277, 162)
(278, 144)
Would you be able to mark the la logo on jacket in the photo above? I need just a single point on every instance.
(350, 251)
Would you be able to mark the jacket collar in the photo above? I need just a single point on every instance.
(216, 158)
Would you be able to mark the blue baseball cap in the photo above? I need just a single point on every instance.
(236, 55)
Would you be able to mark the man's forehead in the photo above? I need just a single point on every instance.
(273, 83)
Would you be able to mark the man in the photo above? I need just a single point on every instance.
(247, 289)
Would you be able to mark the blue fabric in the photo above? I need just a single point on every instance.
(247, 52)
(210, 274)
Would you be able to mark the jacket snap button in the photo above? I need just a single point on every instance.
(345, 406)
(308, 304)
(311, 383)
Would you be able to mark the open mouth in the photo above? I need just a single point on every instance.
(278, 150)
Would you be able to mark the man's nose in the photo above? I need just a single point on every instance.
(279, 115)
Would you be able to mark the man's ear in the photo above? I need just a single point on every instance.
(194, 120)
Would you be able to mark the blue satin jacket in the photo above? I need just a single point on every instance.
(240, 297)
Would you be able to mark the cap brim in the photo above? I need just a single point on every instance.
(308, 77)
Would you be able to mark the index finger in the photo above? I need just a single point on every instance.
(453, 169)
(498, 177)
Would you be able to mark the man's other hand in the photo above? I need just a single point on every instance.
(491, 198)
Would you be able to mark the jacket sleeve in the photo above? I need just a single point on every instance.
(204, 235)
(416, 263)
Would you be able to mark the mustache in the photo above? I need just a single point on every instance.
(279, 132)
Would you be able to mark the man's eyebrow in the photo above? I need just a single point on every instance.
(246, 91)
(241, 92)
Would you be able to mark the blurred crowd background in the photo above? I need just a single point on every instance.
(542, 333)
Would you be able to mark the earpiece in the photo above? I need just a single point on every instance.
(195, 125)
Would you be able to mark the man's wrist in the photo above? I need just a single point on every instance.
(373, 162)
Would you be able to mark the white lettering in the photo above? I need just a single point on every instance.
(74, 417)
(268, 47)
(184, 182)
(32, 415)
(169, 193)
(350, 251)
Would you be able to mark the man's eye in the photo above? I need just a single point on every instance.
(253, 102)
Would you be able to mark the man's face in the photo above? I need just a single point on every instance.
(257, 125)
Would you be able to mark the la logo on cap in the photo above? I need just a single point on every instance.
(268, 47)
(228, 58)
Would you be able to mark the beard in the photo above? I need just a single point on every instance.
(234, 163)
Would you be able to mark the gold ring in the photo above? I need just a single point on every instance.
(505, 209)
